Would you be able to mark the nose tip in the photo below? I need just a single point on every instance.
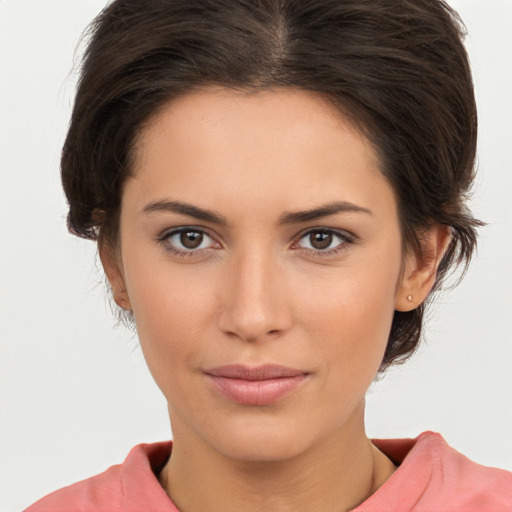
(255, 305)
(251, 327)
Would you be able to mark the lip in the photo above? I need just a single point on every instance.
(261, 385)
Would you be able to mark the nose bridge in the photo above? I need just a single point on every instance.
(255, 301)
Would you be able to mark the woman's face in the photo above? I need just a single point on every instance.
(256, 231)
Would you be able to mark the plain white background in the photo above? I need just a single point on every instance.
(75, 394)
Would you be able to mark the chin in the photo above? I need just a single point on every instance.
(262, 448)
(264, 441)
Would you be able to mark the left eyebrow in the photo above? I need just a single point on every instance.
(322, 211)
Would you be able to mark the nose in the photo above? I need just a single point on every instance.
(255, 303)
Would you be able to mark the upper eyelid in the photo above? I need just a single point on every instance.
(180, 229)
(168, 233)
(340, 232)
(347, 240)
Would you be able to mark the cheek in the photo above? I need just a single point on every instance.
(350, 315)
(173, 310)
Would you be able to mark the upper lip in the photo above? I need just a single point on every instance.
(263, 372)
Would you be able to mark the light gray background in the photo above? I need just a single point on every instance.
(75, 395)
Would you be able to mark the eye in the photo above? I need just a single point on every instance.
(326, 241)
(186, 241)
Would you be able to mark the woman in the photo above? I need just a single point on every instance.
(276, 189)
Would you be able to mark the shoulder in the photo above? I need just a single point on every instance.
(126, 486)
(463, 483)
(100, 492)
(434, 476)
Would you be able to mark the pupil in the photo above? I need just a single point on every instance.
(321, 240)
(191, 239)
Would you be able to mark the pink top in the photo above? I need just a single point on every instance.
(432, 477)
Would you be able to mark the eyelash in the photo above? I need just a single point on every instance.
(345, 238)
(165, 237)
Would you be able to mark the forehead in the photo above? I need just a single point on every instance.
(222, 104)
(286, 145)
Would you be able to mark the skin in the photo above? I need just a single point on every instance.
(258, 291)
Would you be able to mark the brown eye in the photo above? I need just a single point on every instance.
(191, 239)
(187, 241)
(320, 239)
(326, 241)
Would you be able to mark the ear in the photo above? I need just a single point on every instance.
(420, 270)
(113, 270)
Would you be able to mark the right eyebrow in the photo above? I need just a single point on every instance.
(185, 209)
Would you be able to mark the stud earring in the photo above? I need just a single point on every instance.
(409, 298)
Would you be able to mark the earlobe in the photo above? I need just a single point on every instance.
(420, 271)
(112, 268)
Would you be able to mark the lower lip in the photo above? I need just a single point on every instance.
(256, 392)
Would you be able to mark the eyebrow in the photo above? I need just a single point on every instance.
(287, 218)
(322, 211)
(186, 209)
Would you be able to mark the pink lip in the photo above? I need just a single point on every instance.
(262, 385)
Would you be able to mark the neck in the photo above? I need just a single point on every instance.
(335, 475)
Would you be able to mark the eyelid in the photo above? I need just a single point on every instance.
(164, 236)
(347, 238)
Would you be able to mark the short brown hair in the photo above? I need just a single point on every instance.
(396, 68)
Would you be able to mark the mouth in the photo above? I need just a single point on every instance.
(261, 385)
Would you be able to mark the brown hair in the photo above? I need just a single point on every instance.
(397, 68)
